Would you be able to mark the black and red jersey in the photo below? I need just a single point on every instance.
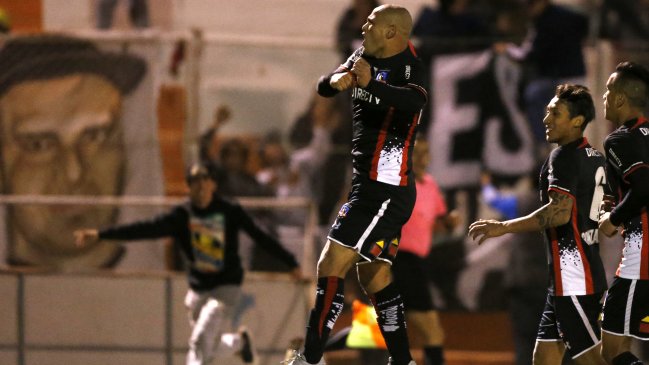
(575, 169)
(385, 115)
(627, 160)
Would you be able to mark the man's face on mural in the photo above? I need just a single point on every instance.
(61, 136)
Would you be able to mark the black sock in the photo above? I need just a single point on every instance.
(328, 305)
(434, 355)
(338, 341)
(626, 358)
(392, 322)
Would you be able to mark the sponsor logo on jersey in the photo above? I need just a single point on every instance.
(364, 95)
(617, 159)
(591, 152)
(357, 55)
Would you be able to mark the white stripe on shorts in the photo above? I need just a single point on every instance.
(375, 220)
(584, 319)
(629, 304)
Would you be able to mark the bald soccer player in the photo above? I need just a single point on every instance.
(386, 80)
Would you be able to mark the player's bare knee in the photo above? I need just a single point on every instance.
(590, 357)
(608, 355)
(336, 260)
(374, 276)
(538, 358)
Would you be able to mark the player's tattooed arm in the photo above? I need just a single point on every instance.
(553, 214)
(556, 212)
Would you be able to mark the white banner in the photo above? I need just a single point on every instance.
(475, 121)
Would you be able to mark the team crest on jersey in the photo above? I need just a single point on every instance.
(342, 213)
(382, 75)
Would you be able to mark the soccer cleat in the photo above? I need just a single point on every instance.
(412, 362)
(296, 358)
(247, 351)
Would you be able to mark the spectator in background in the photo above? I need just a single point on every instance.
(326, 119)
(61, 134)
(507, 19)
(208, 143)
(206, 228)
(275, 172)
(138, 13)
(297, 174)
(624, 18)
(451, 27)
(348, 33)
(552, 54)
(236, 180)
(228, 159)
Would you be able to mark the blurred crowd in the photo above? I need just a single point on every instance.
(311, 159)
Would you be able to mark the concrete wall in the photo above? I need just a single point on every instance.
(129, 319)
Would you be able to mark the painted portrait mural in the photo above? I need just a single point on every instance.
(62, 133)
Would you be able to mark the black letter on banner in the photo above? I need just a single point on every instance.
(475, 121)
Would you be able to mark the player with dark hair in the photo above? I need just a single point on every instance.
(386, 79)
(206, 228)
(572, 186)
(626, 309)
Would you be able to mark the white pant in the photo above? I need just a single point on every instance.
(210, 316)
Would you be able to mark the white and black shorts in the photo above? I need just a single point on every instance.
(371, 220)
(573, 320)
(626, 308)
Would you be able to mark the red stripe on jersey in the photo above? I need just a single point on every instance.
(641, 120)
(420, 89)
(330, 291)
(556, 263)
(588, 275)
(644, 165)
(644, 255)
(412, 48)
(584, 143)
(406, 148)
(374, 170)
